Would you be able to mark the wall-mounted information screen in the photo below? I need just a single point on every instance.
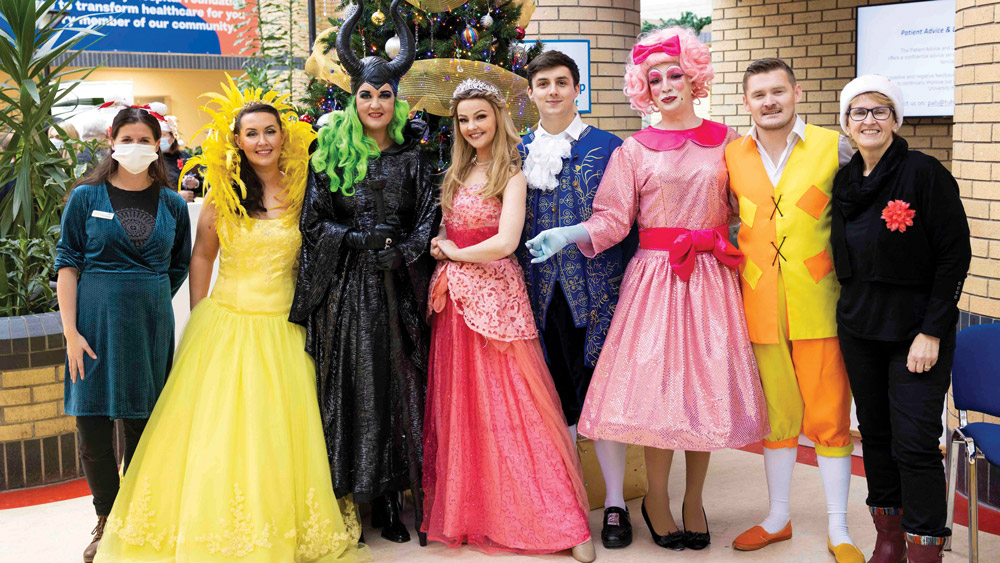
(913, 44)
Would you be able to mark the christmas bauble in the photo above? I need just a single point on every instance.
(392, 46)
(469, 36)
(378, 18)
(519, 32)
(518, 56)
(486, 21)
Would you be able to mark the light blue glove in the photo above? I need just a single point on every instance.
(551, 241)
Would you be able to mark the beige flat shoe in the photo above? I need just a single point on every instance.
(585, 552)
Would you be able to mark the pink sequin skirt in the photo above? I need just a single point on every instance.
(500, 471)
(677, 370)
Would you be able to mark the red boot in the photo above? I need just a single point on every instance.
(890, 544)
(924, 549)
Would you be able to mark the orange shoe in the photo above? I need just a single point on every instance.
(757, 537)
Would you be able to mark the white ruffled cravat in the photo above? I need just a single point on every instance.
(545, 159)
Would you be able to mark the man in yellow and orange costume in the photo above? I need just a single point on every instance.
(782, 173)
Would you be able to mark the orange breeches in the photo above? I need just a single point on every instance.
(807, 390)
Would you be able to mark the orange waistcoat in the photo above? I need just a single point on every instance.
(787, 227)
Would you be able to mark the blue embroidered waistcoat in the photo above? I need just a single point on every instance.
(591, 286)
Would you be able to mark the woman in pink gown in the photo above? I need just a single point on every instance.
(500, 471)
(677, 371)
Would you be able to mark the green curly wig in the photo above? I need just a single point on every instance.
(343, 149)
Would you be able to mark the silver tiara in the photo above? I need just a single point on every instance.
(477, 84)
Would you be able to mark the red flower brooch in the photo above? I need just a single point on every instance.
(898, 215)
(180, 163)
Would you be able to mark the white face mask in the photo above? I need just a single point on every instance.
(134, 157)
(165, 144)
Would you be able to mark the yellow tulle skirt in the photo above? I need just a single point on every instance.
(232, 465)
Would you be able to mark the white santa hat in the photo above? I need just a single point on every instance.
(871, 83)
(171, 125)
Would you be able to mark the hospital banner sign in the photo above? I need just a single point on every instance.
(197, 27)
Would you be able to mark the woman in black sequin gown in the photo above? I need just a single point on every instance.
(371, 400)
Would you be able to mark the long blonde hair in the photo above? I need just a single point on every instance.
(506, 160)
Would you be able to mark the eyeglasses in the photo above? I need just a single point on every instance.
(880, 113)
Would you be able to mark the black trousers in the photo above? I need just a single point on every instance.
(564, 344)
(97, 452)
(899, 416)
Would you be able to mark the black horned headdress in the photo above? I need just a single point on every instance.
(375, 70)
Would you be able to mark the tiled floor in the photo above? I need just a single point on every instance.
(736, 498)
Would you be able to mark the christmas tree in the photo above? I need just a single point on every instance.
(478, 30)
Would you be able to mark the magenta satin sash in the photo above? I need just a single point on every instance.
(684, 244)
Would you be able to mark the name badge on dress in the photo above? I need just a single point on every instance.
(102, 214)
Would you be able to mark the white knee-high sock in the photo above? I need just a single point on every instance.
(836, 472)
(778, 465)
(572, 434)
(611, 456)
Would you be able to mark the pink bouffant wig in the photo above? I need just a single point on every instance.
(695, 60)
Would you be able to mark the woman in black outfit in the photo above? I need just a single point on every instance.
(174, 158)
(901, 251)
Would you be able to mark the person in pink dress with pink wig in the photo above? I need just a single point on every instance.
(500, 471)
(677, 371)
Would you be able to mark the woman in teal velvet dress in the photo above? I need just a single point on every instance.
(123, 253)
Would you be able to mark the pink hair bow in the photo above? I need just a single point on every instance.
(670, 47)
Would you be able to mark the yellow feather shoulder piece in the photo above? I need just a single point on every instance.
(221, 158)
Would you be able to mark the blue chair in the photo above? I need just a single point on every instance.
(975, 385)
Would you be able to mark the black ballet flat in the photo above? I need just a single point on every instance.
(696, 540)
(617, 529)
(674, 540)
(385, 515)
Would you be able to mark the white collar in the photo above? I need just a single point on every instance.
(573, 131)
(799, 130)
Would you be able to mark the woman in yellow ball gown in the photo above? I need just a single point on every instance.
(232, 465)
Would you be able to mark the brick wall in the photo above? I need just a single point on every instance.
(31, 403)
(611, 26)
(977, 168)
(37, 440)
(817, 38)
(977, 146)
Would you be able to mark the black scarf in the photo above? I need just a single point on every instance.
(860, 191)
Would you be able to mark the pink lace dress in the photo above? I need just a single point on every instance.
(500, 471)
(677, 370)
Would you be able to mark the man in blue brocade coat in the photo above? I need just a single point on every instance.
(573, 297)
